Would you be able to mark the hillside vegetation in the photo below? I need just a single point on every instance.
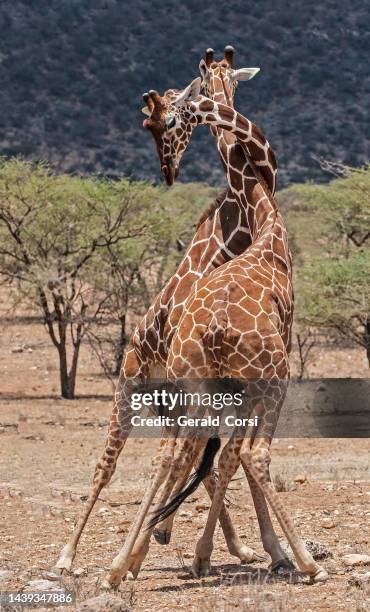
(73, 71)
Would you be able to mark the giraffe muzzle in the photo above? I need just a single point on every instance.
(170, 173)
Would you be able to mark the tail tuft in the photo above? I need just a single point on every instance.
(210, 451)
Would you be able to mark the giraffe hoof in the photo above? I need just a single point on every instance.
(134, 569)
(320, 576)
(65, 560)
(162, 537)
(59, 570)
(56, 571)
(200, 567)
(53, 574)
(107, 585)
(281, 567)
(257, 557)
(248, 555)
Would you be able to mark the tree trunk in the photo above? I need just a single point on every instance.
(73, 371)
(63, 373)
(68, 379)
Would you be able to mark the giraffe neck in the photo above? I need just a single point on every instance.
(224, 139)
(226, 216)
(254, 192)
(240, 170)
(219, 117)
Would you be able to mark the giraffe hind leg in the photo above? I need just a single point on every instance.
(256, 461)
(227, 466)
(163, 530)
(271, 544)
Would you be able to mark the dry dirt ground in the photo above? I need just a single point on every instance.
(49, 447)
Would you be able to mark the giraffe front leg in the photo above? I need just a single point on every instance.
(123, 561)
(189, 448)
(102, 475)
(141, 546)
(118, 432)
(256, 461)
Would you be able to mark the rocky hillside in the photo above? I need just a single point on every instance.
(73, 71)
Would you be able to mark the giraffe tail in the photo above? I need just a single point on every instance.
(194, 481)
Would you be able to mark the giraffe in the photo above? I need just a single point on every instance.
(236, 324)
(219, 237)
(219, 83)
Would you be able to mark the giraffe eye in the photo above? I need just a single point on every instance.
(171, 122)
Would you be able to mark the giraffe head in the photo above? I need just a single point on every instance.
(220, 79)
(171, 124)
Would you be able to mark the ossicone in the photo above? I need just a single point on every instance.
(229, 55)
(210, 56)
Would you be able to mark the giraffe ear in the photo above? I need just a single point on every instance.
(244, 74)
(189, 93)
(203, 68)
(146, 111)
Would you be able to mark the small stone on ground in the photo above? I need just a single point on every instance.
(103, 603)
(360, 580)
(352, 560)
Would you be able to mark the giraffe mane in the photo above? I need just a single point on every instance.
(209, 212)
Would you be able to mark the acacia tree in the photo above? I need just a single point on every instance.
(128, 281)
(131, 273)
(335, 295)
(333, 287)
(128, 277)
(52, 232)
(346, 201)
